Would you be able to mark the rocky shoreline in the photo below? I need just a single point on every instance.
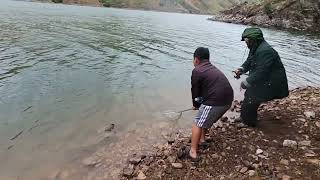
(283, 14)
(286, 145)
(177, 6)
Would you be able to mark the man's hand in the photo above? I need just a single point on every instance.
(237, 73)
(194, 108)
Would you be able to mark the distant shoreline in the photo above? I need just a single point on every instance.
(279, 16)
(125, 8)
(169, 9)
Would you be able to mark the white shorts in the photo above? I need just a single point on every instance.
(207, 115)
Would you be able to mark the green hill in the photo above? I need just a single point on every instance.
(186, 6)
(286, 14)
(183, 6)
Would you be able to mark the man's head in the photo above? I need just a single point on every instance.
(201, 54)
(251, 36)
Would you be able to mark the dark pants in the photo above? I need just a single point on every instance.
(249, 110)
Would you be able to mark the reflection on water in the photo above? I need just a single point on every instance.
(65, 71)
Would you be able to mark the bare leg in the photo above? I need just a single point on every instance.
(203, 135)
(195, 139)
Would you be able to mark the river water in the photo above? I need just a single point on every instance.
(67, 71)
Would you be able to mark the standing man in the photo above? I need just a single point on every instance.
(267, 78)
(212, 94)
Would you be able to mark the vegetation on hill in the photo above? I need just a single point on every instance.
(288, 14)
(183, 6)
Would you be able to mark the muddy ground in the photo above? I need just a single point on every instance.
(285, 145)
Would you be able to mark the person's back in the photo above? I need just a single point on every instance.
(212, 88)
(267, 78)
(274, 85)
(215, 88)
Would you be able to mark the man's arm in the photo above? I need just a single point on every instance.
(245, 67)
(195, 88)
(264, 64)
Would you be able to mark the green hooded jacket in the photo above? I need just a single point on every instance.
(252, 33)
(267, 78)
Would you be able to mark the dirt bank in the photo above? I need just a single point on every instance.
(286, 145)
(83, 2)
(301, 15)
(180, 6)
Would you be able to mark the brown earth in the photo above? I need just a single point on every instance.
(83, 2)
(181, 6)
(246, 153)
(302, 15)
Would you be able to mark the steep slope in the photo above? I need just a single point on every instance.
(83, 2)
(184, 6)
(79, 2)
(287, 14)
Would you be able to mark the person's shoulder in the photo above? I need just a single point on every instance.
(266, 48)
(195, 71)
(214, 67)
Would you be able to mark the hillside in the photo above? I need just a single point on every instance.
(83, 2)
(183, 6)
(78, 2)
(287, 14)
(186, 6)
(284, 146)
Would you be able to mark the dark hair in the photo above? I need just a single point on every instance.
(202, 53)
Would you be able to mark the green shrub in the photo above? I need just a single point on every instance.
(57, 1)
(268, 9)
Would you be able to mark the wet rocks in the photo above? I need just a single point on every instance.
(106, 129)
(302, 120)
(243, 170)
(284, 14)
(177, 165)
(65, 174)
(314, 161)
(293, 160)
(172, 159)
(91, 161)
(248, 152)
(109, 127)
(171, 140)
(181, 152)
(284, 162)
(309, 154)
(128, 171)
(141, 176)
(305, 143)
(259, 151)
(215, 156)
(235, 106)
(255, 166)
(286, 177)
(290, 143)
(310, 114)
(218, 124)
(135, 160)
(224, 119)
(251, 173)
